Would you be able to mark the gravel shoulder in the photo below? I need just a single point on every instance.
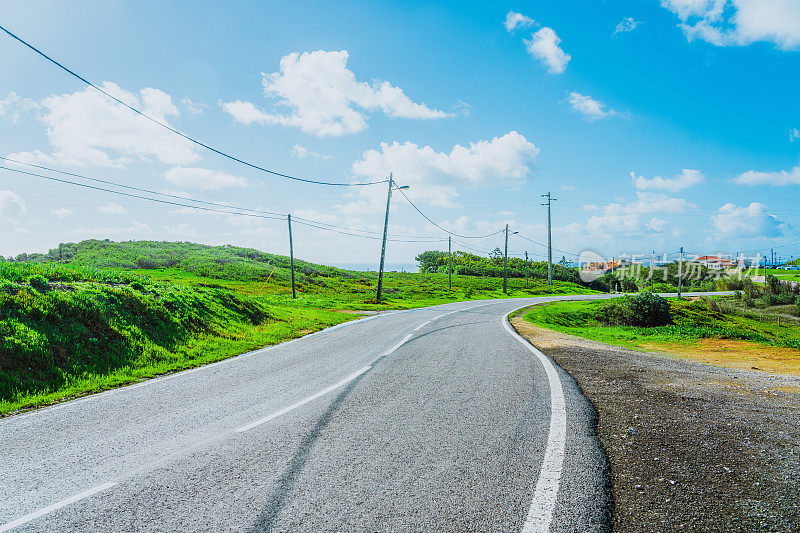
(692, 447)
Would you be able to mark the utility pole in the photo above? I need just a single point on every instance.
(291, 253)
(652, 267)
(680, 273)
(549, 240)
(526, 268)
(450, 262)
(612, 272)
(383, 246)
(505, 265)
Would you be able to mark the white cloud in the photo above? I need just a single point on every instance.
(194, 108)
(202, 178)
(14, 106)
(62, 212)
(517, 20)
(301, 152)
(687, 178)
(751, 221)
(324, 97)
(112, 209)
(12, 210)
(544, 45)
(88, 128)
(740, 22)
(794, 134)
(625, 25)
(433, 175)
(656, 224)
(783, 177)
(589, 107)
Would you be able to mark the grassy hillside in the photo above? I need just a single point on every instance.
(87, 317)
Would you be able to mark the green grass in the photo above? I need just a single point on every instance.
(99, 325)
(790, 275)
(692, 321)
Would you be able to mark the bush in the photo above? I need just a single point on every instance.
(39, 283)
(137, 286)
(649, 309)
(9, 287)
(645, 309)
(748, 300)
(797, 307)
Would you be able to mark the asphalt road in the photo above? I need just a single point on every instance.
(436, 419)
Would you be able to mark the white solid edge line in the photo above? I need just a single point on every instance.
(55, 506)
(311, 398)
(540, 513)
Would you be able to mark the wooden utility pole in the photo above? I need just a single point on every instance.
(383, 246)
(549, 240)
(526, 268)
(291, 253)
(680, 273)
(505, 265)
(450, 263)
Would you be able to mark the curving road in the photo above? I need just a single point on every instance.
(436, 419)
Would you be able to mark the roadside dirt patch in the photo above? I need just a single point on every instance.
(737, 354)
(692, 447)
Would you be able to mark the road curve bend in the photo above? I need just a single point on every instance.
(434, 419)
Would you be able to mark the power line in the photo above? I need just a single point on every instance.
(177, 132)
(107, 182)
(426, 217)
(194, 200)
(237, 212)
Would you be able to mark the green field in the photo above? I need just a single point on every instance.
(717, 318)
(88, 317)
(790, 275)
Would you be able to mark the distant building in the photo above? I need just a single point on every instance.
(715, 262)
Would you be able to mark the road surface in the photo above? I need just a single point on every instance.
(435, 419)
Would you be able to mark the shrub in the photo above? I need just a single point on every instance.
(773, 284)
(137, 286)
(9, 287)
(797, 307)
(748, 300)
(649, 309)
(645, 309)
(39, 283)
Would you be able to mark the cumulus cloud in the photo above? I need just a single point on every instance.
(750, 221)
(87, 128)
(517, 20)
(625, 25)
(794, 134)
(687, 178)
(112, 209)
(323, 97)
(633, 218)
(14, 106)
(434, 176)
(739, 22)
(202, 178)
(544, 46)
(780, 178)
(12, 210)
(589, 107)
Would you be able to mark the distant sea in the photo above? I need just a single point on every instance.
(373, 267)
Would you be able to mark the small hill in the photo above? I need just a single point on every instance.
(221, 262)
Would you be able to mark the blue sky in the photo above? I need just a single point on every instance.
(677, 129)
